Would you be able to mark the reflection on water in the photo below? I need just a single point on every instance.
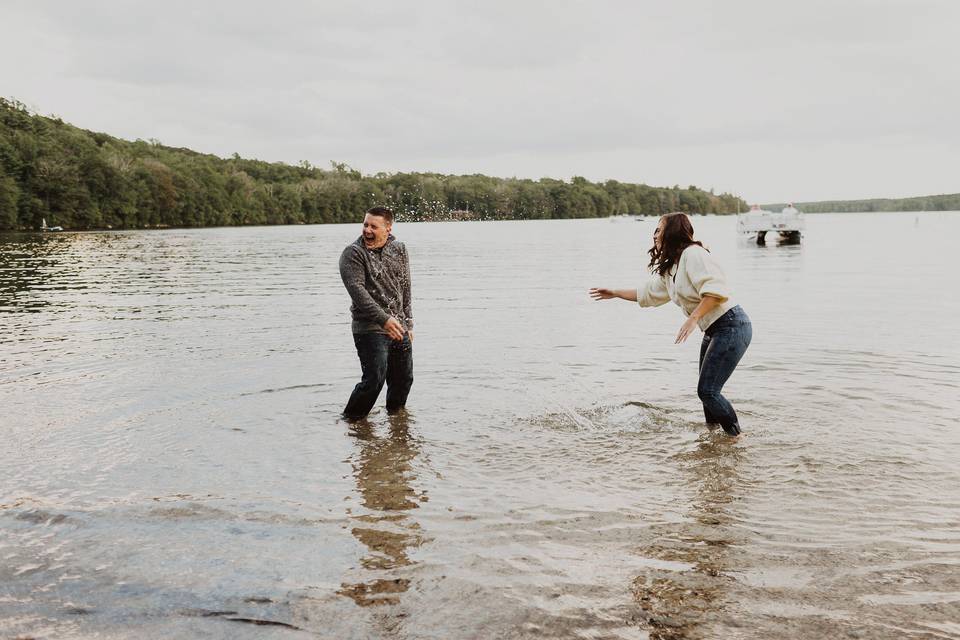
(686, 595)
(383, 469)
(31, 262)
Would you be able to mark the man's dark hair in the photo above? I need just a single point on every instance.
(383, 212)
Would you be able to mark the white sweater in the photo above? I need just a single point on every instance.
(695, 275)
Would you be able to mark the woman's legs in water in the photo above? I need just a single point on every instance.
(709, 417)
(724, 344)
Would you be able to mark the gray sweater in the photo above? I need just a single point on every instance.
(378, 281)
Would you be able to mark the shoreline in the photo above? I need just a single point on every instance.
(401, 221)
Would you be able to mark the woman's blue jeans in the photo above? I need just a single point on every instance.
(382, 360)
(724, 343)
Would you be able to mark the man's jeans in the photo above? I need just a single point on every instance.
(381, 360)
(724, 343)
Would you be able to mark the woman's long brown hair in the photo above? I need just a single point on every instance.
(676, 236)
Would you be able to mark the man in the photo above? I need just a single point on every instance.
(376, 272)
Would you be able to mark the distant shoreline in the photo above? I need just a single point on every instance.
(37, 232)
(916, 204)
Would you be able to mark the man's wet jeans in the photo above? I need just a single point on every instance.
(382, 360)
(724, 343)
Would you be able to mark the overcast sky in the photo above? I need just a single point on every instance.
(772, 100)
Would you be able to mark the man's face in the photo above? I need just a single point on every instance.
(375, 231)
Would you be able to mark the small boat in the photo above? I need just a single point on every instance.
(44, 227)
(622, 217)
(788, 224)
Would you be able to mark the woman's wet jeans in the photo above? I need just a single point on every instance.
(382, 360)
(724, 343)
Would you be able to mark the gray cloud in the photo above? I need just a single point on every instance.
(775, 100)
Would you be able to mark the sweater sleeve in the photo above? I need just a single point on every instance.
(653, 293)
(407, 298)
(705, 273)
(353, 274)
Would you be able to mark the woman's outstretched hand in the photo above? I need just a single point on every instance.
(599, 293)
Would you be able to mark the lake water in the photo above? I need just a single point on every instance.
(174, 465)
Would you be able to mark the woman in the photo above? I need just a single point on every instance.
(685, 272)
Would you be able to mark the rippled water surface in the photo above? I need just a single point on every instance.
(174, 465)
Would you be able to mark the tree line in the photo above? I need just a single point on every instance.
(79, 179)
(945, 202)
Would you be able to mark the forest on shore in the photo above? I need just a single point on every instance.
(55, 172)
(944, 202)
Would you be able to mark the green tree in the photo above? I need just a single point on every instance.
(83, 179)
(9, 202)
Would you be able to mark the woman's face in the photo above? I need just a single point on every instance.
(658, 234)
